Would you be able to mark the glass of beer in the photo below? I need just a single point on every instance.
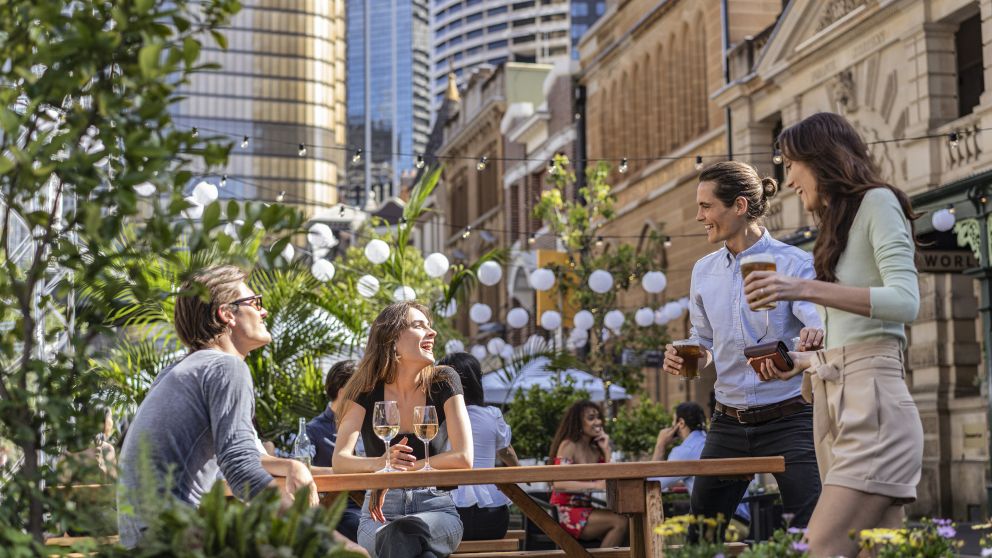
(690, 352)
(758, 262)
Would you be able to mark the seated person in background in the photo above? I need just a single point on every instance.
(690, 427)
(323, 433)
(580, 439)
(483, 508)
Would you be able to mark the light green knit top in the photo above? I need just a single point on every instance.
(879, 255)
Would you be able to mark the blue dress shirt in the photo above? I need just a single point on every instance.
(723, 322)
(690, 449)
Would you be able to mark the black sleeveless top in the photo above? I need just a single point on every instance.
(446, 385)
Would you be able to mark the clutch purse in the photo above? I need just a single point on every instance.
(774, 350)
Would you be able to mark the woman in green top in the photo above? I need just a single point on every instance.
(867, 430)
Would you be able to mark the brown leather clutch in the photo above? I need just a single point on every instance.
(774, 350)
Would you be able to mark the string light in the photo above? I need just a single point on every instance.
(244, 142)
(420, 162)
(302, 150)
(357, 157)
(532, 239)
(196, 133)
(481, 165)
(599, 241)
(623, 166)
(807, 233)
(223, 181)
(468, 231)
(552, 167)
(699, 162)
(341, 211)
(668, 242)
(281, 196)
(953, 140)
(777, 157)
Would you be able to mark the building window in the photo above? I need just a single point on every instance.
(580, 9)
(523, 22)
(578, 30)
(970, 66)
(529, 38)
(600, 8)
(497, 11)
(496, 45)
(496, 28)
(473, 34)
(523, 5)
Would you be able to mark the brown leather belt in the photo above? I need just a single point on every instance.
(765, 413)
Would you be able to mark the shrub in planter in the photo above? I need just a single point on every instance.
(534, 416)
(934, 538)
(634, 430)
(785, 543)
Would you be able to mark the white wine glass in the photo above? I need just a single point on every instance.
(386, 425)
(425, 427)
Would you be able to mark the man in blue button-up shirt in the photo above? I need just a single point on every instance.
(754, 416)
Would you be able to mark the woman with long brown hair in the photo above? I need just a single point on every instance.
(581, 439)
(398, 366)
(868, 434)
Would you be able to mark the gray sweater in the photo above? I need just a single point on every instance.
(197, 415)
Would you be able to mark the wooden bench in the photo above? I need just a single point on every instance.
(628, 492)
(733, 549)
(486, 546)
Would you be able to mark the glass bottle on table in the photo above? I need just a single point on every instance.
(425, 426)
(386, 425)
(303, 449)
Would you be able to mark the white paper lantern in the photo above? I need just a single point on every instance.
(453, 346)
(683, 303)
(193, 212)
(288, 253)
(551, 320)
(541, 279)
(323, 270)
(600, 281)
(507, 353)
(517, 318)
(943, 220)
(495, 345)
(672, 311)
(614, 320)
(644, 317)
(490, 273)
(654, 282)
(205, 193)
(145, 189)
(436, 265)
(479, 352)
(368, 286)
(583, 320)
(480, 313)
(660, 318)
(450, 310)
(321, 236)
(377, 251)
(402, 293)
(579, 335)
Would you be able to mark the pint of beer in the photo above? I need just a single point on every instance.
(690, 352)
(758, 262)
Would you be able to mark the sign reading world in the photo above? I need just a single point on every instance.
(945, 261)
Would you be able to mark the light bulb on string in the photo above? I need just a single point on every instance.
(668, 242)
(420, 162)
(357, 157)
(532, 239)
(196, 133)
(777, 157)
(223, 181)
(807, 233)
(468, 231)
(599, 241)
(481, 165)
(552, 167)
(281, 196)
(623, 166)
(341, 211)
(953, 140)
(302, 150)
(244, 142)
(699, 162)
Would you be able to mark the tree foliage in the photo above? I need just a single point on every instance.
(534, 415)
(85, 92)
(634, 430)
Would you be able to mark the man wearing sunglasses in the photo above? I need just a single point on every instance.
(197, 416)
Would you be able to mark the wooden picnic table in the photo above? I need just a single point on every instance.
(628, 490)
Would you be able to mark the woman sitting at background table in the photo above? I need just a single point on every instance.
(483, 508)
(581, 439)
(398, 366)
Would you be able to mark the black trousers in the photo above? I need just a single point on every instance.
(791, 437)
(484, 523)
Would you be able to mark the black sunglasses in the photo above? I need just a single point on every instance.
(254, 301)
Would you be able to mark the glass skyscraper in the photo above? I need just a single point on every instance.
(280, 84)
(398, 110)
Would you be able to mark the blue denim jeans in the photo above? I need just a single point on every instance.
(790, 436)
(420, 522)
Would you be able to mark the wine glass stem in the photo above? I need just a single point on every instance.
(427, 456)
(389, 462)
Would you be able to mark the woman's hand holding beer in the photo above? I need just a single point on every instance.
(673, 362)
(764, 288)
